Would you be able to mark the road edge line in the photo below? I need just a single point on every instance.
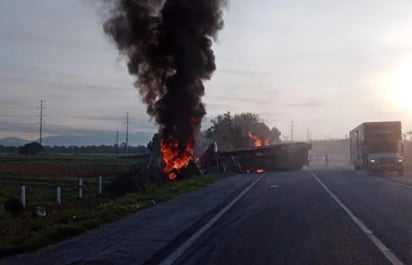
(390, 256)
(193, 238)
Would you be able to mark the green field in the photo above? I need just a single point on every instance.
(74, 216)
(61, 165)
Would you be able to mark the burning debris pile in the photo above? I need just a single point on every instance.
(168, 44)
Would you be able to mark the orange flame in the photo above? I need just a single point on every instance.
(257, 141)
(173, 159)
(260, 170)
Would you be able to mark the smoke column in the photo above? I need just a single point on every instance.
(168, 44)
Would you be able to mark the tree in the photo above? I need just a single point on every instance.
(154, 145)
(32, 148)
(222, 131)
(232, 132)
(8, 149)
(275, 135)
(93, 149)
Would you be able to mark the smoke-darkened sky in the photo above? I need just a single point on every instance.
(327, 65)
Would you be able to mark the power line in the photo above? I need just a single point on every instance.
(127, 132)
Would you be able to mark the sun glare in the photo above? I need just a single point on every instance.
(400, 84)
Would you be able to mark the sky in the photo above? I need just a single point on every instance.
(326, 65)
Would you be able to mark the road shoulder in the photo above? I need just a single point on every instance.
(144, 236)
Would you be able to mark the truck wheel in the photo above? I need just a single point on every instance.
(400, 172)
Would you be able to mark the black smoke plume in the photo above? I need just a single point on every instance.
(168, 44)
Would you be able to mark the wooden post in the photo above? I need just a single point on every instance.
(81, 188)
(23, 195)
(100, 185)
(216, 150)
(59, 195)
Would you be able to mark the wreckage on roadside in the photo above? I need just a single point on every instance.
(285, 156)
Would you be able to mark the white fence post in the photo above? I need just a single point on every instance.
(81, 188)
(100, 184)
(23, 195)
(59, 195)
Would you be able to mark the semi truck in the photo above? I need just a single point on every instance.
(377, 146)
(285, 156)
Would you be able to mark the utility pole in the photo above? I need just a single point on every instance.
(41, 122)
(292, 127)
(127, 131)
(117, 142)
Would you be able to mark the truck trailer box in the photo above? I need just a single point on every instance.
(377, 146)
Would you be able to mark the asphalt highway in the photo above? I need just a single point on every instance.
(313, 216)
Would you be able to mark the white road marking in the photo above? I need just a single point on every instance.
(378, 243)
(188, 243)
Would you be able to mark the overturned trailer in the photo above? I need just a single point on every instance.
(287, 156)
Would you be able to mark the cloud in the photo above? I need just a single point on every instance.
(25, 127)
(241, 72)
(8, 116)
(244, 100)
(284, 53)
(63, 82)
(306, 104)
(99, 118)
(271, 113)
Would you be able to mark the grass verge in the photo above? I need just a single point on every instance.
(23, 233)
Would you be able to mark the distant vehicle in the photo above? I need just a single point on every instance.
(377, 146)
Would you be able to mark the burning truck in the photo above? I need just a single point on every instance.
(286, 156)
(260, 158)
